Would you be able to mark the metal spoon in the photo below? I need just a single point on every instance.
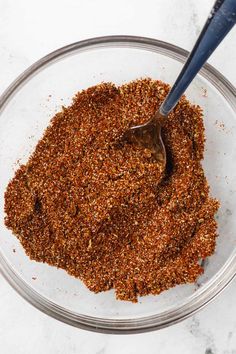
(220, 21)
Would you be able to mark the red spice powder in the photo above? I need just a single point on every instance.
(104, 211)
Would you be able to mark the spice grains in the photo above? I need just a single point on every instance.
(102, 209)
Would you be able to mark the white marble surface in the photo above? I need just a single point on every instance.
(29, 30)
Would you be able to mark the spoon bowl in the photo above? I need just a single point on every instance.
(149, 136)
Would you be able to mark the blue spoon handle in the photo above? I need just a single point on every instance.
(220, 21)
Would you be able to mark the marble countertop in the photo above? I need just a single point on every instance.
(29, 30)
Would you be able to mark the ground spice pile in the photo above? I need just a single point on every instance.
(102, 210)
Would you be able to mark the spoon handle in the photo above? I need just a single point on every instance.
(220, 21)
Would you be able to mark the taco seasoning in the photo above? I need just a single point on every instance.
(103, 210)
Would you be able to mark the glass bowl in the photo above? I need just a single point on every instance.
(26, 108)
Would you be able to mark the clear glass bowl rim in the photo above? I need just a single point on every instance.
(190, 305)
